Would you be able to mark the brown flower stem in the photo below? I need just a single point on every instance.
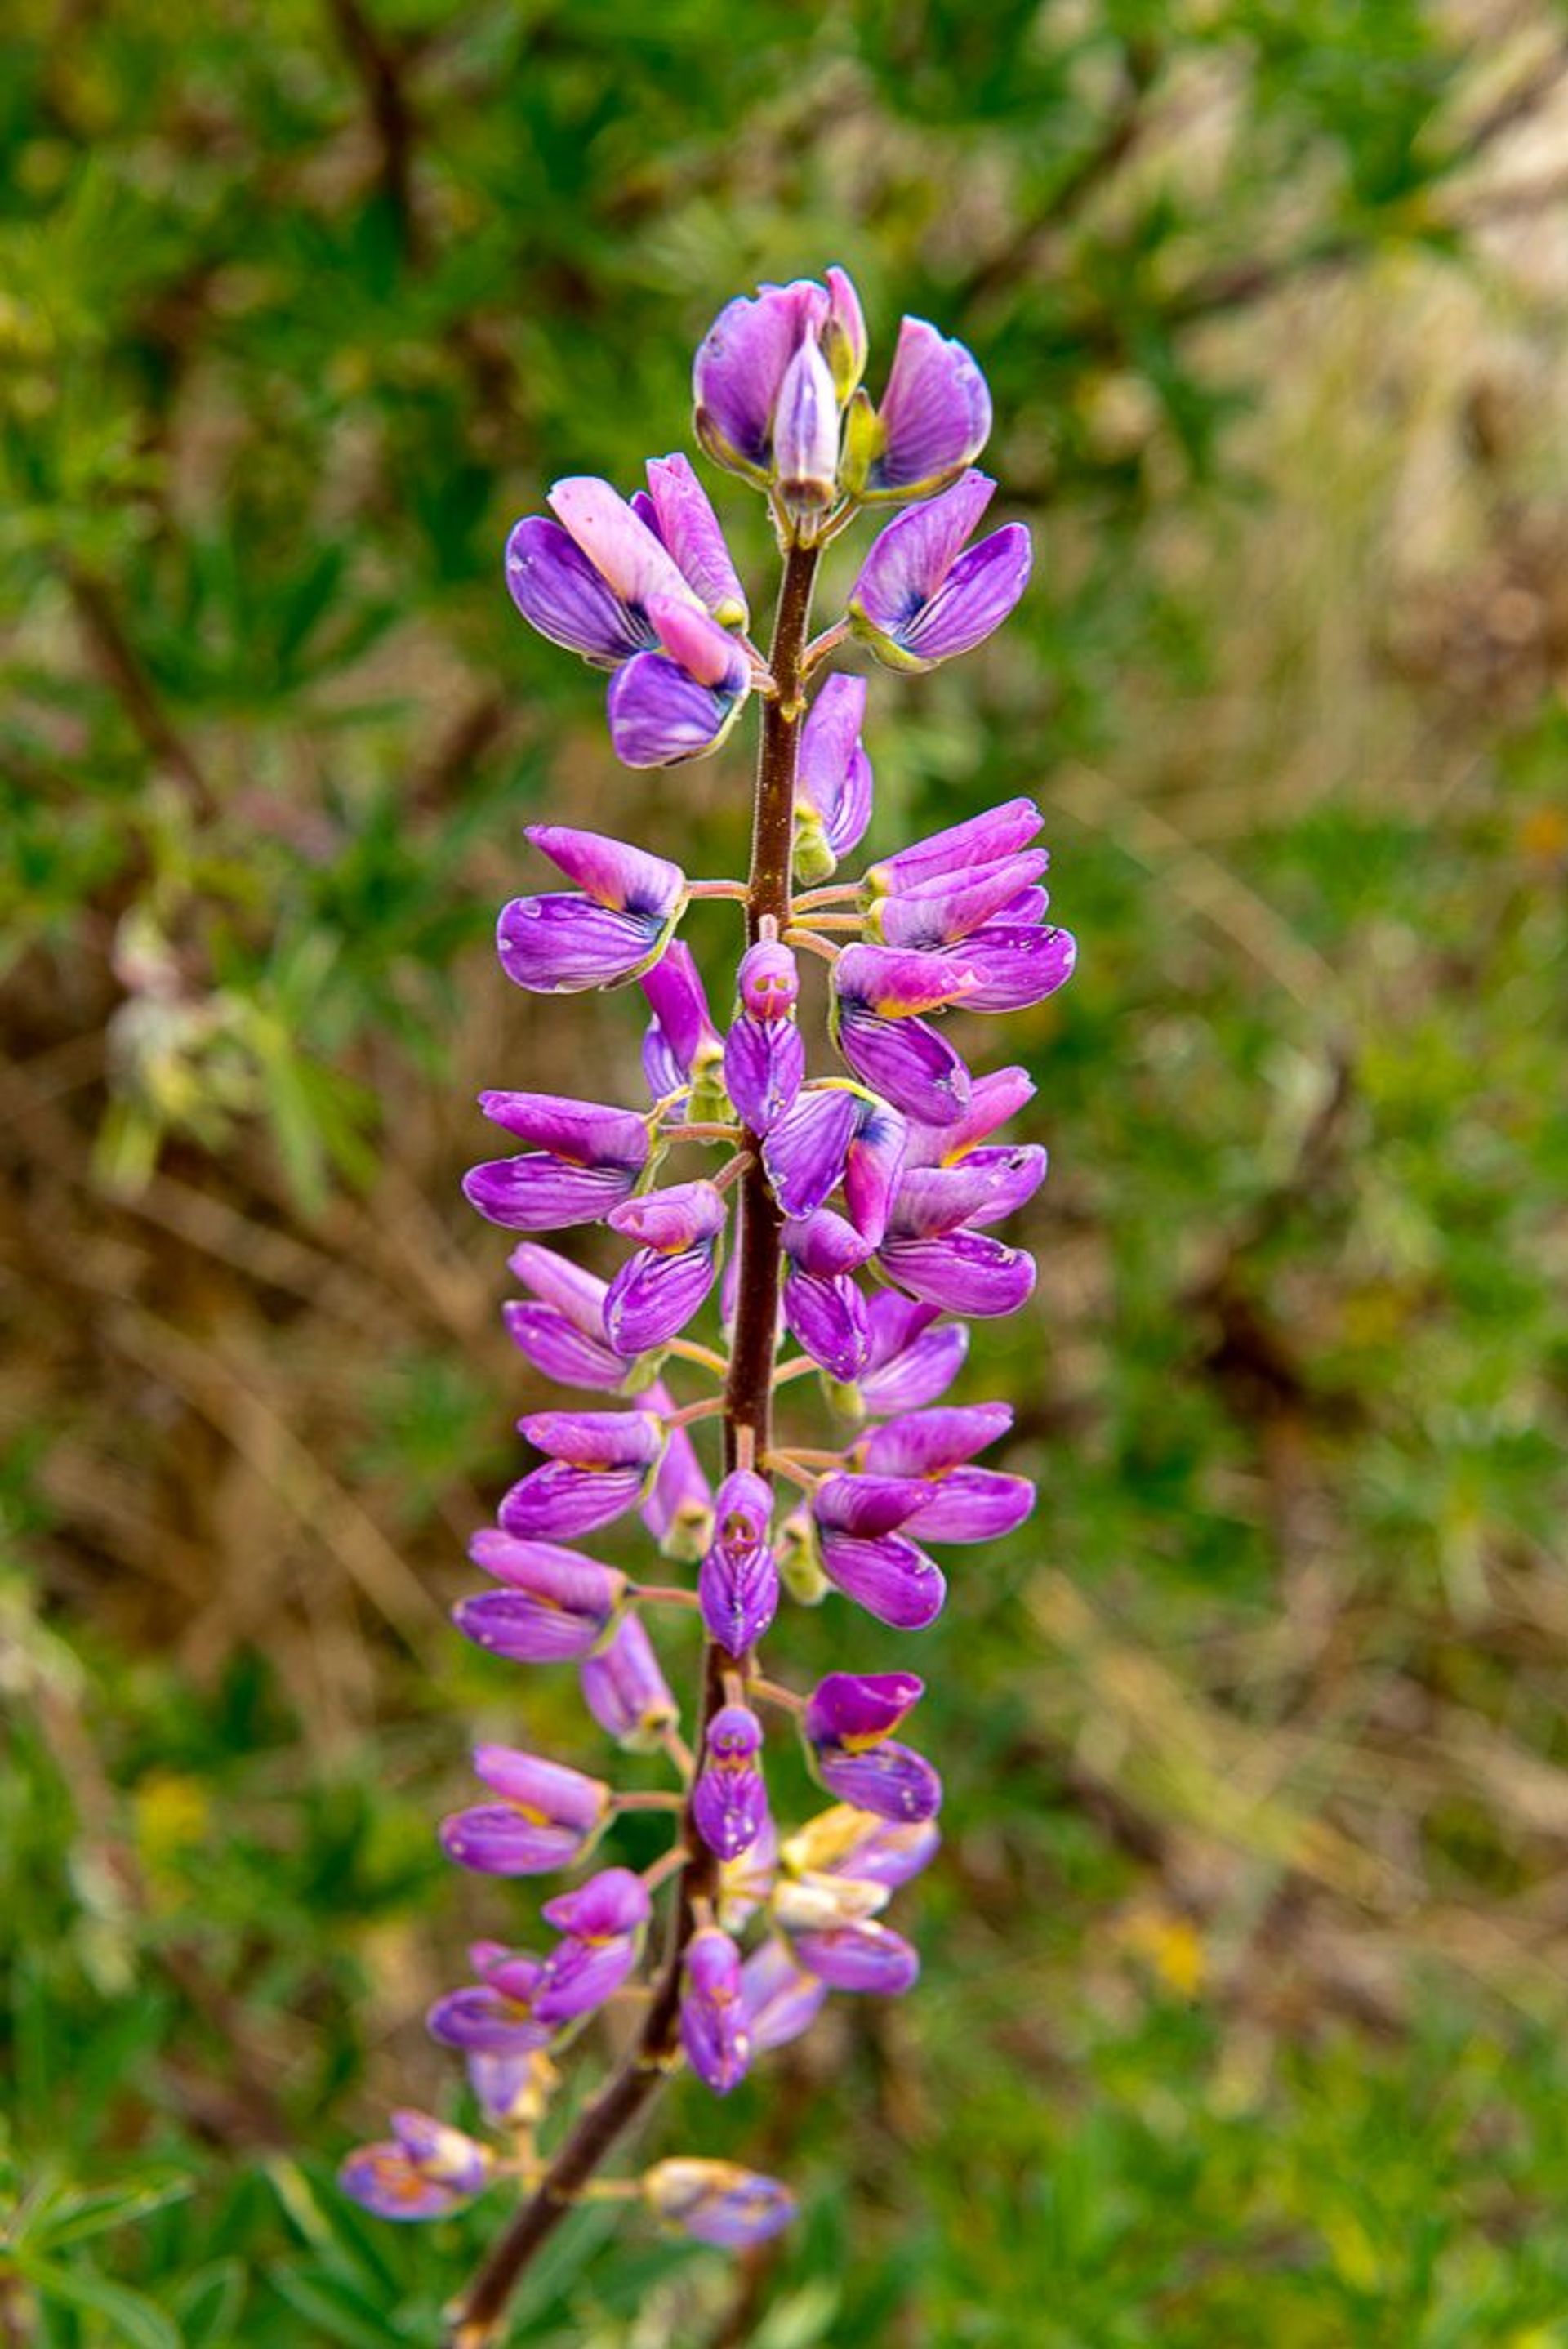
(477, 2318)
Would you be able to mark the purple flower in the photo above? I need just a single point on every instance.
(981, 840)
(563, 945)
(715, 2030)
(729, 1801)
(780, 1998)
(665, 707)
(599, 1464)
(513, 2091)
(934, 421)
(878, 994)
(826, 1315)
(423, 2171)
(602, 1923)
(739, 1584)
(656, 1291)
(967, 1504)
(806, 436)
(681, 1048)
(865, 1957)
(561, 1329)
(589, 1158)
(908, 1361)
(626, 1691)
(494, 2016)
(764, 1066)
(833, 786)
(861, 1848)
(806, 1152)
(848, 1724)
(677, 509)
(740, 370)
(962, 1272)
(866, 1556)
(764, 1054)
(1016, 965)
(716, 2202)
(556, 1604)
(919, 599)
(946, 908)
(984, 1187)
(677, 1509)
(547, 1816)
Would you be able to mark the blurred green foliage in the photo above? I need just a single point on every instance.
(1244, 2001)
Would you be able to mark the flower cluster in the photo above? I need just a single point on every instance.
(850, 1201)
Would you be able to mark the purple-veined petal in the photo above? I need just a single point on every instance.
(677, 1510)
(898, 984)
(740, 366)
(655, 1295)
(556, 1578)
(977, 1504)
(781, 1999)
(559, 592)
(613, 1902)
(596, 1439)
(859, 1709)
(555, 1280)
(562, 1501)
(911, 556)
(617, 542)
(979, 839)
(587, 1134)
(558, 1351)
(872, 1165)
(764, 1069)
(682, 1031)
(869, 1505)
(888, 1779)
(982, 1188)
(497, 1840)
(844, 333)
(891, 1578)
(919, 1369)
(626, 1691)
(660, 716)
(481, 2021)
(906, 1060)
(679, 1215)
(963, 1272)
(690, 530)
(1015, 967)
(929, 1443)
(716, 2202)
(738, 1586)
(935, 416)
(946, 908)
(806, 433)
(558, 944)
(805, 1152)
(865, 1957)
(827, 1317)
(538, 1191)
(824, 1244)
(612, 872)
(715, 2030)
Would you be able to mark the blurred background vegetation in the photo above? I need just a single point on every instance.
(1243, 2017)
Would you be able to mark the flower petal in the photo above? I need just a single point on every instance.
(559, 592)
(935, 414)
(660, 717)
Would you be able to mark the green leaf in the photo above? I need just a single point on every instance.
(129, 2314)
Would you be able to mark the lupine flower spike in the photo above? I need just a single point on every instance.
(846, 1211)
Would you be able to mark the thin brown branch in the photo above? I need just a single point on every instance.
(121, 667)
(380, 75)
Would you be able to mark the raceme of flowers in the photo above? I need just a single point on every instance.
(888, 1174)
